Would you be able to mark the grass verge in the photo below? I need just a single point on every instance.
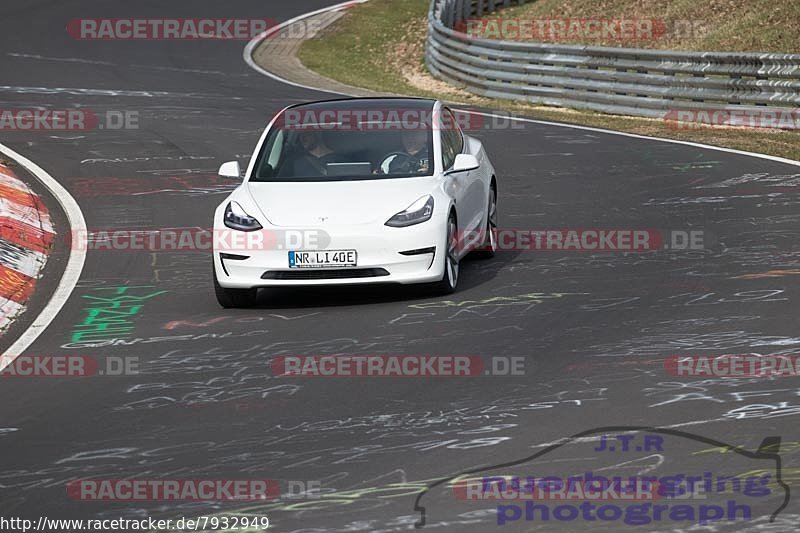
(380, 45)
(720, 25)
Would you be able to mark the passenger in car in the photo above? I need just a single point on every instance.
(314, 156)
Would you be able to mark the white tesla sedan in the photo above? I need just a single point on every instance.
(364, 190)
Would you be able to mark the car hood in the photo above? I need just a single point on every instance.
(321, 203)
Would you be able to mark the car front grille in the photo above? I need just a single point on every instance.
(345, 273)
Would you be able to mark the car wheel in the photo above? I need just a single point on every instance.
(231, 298)
(449, 281)
(489, 246)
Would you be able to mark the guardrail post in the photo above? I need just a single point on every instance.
(461, 7)
(466, 8)
(449, 14)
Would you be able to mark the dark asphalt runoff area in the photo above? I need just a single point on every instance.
(593, 329)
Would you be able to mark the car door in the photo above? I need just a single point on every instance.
(472, 203)
(456, 184)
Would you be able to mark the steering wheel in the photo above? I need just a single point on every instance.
(401, 161)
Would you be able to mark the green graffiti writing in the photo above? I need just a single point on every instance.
(111, 315)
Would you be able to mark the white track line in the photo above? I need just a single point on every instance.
(251, 46)
(635, 136)
(74, 264)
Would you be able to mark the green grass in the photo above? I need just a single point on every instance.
(721, 25)
(355, 48)
(380, 46)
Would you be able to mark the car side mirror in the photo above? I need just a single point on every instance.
(464, 163)
(230, 170)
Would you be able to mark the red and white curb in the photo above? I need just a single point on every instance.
(26, 236)
(75, 261)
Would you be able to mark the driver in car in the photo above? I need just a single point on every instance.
(415, 144)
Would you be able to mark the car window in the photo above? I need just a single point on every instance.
(455, 131)
(452, 141)
(277, 148)
(363, 147)
(448, 147)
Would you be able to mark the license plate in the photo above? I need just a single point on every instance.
(322, 259)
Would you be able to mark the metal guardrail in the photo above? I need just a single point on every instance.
(628, 81)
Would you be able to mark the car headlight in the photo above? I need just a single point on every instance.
(237, 218)
(419, 211)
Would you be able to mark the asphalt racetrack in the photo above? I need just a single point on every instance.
(593, 329)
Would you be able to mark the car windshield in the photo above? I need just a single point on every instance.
(336, 144)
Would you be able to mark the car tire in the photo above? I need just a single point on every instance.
(489, 246)
(449, 281)
(233, 298)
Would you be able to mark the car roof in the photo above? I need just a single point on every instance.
(386, 103)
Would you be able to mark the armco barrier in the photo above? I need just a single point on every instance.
(626, 81)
